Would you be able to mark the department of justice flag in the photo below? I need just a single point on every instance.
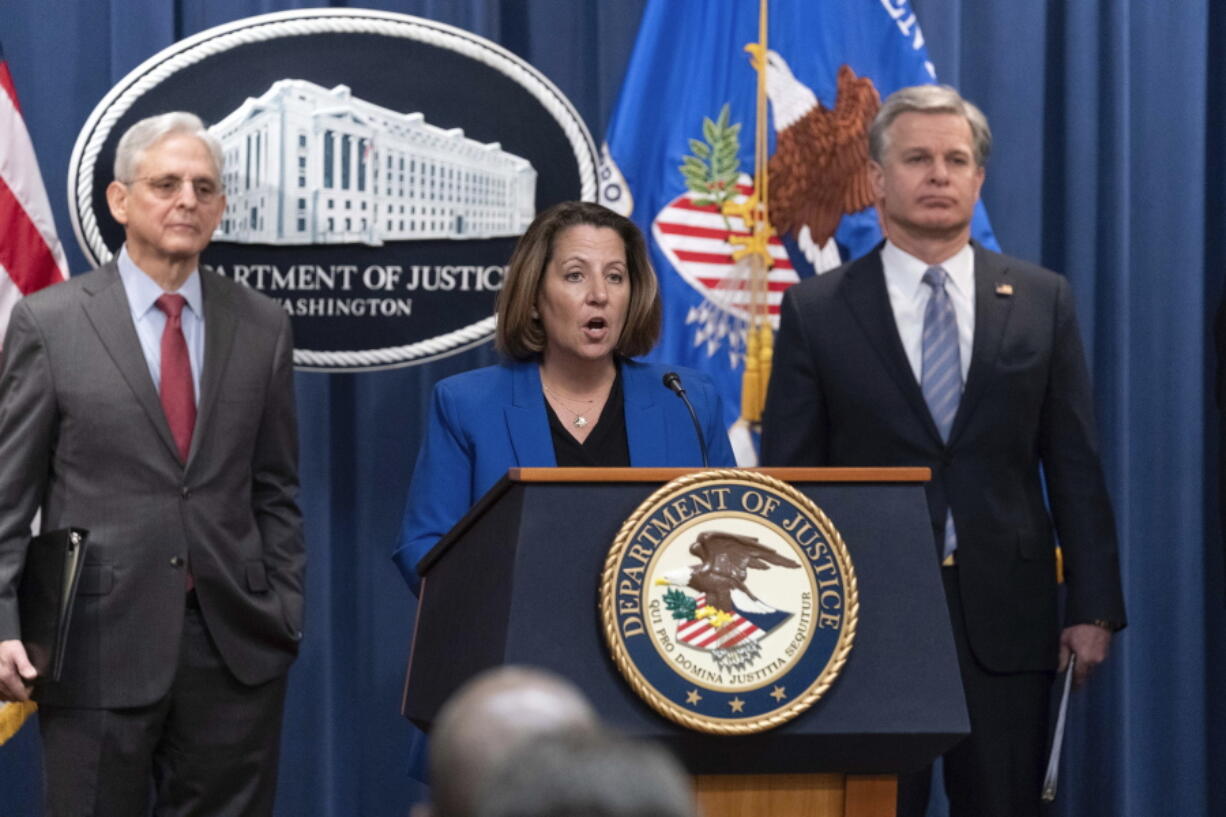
(717, 124)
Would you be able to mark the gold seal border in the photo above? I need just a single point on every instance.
(667, 707)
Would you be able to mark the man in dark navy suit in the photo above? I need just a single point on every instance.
(933, 351)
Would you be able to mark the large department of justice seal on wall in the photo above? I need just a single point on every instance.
(729, 602)
(378, 170)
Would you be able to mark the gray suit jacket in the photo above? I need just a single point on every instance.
(84, 437)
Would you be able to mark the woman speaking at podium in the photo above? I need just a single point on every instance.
(579, 301)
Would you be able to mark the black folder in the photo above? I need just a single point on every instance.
(45, 597)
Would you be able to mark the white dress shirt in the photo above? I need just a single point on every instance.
(904, 281)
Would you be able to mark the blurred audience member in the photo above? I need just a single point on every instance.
(574, 774)
(486, 721)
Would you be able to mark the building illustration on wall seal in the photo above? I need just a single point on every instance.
(311, 165)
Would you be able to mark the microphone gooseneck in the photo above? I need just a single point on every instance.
(672, 381)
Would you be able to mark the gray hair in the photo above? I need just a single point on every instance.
(928, 99)
(592, 775)
(487, 720)
(151, 130)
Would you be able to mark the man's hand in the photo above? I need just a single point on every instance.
(16, 671)
(1090, 643)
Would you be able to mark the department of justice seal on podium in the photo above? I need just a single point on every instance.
(729, 602)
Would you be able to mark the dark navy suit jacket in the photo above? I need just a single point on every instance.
(488, 420)
(843, 394)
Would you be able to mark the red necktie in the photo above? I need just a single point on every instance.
(178, 393)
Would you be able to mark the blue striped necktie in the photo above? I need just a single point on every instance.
(941, 379)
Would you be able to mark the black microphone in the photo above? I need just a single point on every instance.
(673, 381)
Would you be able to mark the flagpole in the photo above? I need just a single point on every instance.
(754, 249)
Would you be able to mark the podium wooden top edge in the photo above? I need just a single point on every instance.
(666, 474)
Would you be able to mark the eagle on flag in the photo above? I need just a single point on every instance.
(819, 171)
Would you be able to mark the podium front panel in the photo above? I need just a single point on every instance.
(521, 586)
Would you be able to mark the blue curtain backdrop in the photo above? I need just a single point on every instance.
(1108, 117)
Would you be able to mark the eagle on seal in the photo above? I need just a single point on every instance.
(726, 559)
(819, 170)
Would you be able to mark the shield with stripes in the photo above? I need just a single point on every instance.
(730, 636)
(697, 239)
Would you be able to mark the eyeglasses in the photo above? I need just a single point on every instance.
(168, 187)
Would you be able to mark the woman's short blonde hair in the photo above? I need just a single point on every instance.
(521, 336)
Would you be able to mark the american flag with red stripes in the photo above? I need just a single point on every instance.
(31, 256)
(701, 634)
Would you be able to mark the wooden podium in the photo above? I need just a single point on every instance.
(516, 581)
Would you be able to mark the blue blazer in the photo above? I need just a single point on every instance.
(488, 420)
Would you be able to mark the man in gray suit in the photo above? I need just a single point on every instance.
(151, 402)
